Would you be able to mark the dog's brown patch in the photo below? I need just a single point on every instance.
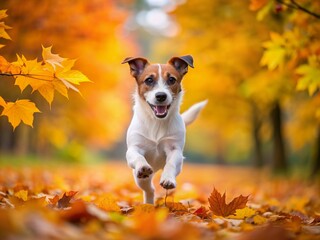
(152, 71)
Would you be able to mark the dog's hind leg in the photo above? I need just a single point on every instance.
(147, 187)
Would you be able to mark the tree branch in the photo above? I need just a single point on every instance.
(294, 5)
(34, 76)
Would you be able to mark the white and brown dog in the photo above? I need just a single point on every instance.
(156, 135)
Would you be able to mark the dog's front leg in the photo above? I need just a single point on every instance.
(142, 173)
(172, 168)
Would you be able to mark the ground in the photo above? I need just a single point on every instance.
(101, 201)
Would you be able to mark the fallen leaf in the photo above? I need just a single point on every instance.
(219, 207)
(65, 200)
(243, 213)
(176, 207)
(201, 212)
(267, 233)
(22, 194)
(108, 203)
(144, 208)
(259, 220)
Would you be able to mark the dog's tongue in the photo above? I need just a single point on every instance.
(161, 110)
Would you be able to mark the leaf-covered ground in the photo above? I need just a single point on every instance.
(101, 201)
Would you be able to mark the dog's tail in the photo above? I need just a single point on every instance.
(192, 113)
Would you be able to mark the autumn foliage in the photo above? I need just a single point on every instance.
(52, 73)
(257, 62)
(102, 202)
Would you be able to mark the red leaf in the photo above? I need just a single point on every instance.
(219, 207)
(65, 200)
(201, 212)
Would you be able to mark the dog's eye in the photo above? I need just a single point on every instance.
(171, 81)
(149, 81)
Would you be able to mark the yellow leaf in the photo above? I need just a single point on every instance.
(108, 203)
(73, 76)
(297, 203)
(4, 34)
(243, 213)
(3, 13)
(21, 110)
(67, 64)
(2, 102)
(49, 57)
(32, 73)
(259, 220)
(22, 194)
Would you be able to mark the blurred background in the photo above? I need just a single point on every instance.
(255, 115)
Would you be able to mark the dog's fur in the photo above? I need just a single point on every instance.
(156, 135)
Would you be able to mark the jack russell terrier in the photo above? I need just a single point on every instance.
(156, 135)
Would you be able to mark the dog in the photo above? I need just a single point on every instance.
(156, 135)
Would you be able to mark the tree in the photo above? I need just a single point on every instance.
(105, 105)
(52, 73)
(226, 50)
(296, 49)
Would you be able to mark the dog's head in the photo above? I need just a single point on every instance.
(159, 84)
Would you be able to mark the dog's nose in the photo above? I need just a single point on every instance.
(161, 96)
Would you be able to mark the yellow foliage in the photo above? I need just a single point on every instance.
(53, 59)
(243, 213)
(22, 194)
(3, 27)
(259, 220)
(21, 110)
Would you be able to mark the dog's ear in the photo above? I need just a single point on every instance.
(181, 63)
(137, 65)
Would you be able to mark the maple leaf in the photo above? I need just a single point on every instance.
(6, 67)
(21, 110)
(73, 76)
(219, 207)
(65, 200)
(310, 78)
(3, 33)
(243, 213)
(2, 102)
(275, 52)
(22, 194)
(53, 59)
(201, 212)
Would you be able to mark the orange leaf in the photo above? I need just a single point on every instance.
(219, 207)
(2, 102)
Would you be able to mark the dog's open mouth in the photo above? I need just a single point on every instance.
(160, 111)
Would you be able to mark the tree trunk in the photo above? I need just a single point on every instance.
(279, 162)
(316, 164)
(22, 140)
(258, 160)
(6, 136)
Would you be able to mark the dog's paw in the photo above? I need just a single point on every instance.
(144, 171)
(168, 183)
